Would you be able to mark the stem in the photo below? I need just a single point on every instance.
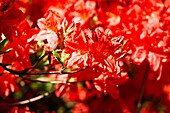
(139, 104)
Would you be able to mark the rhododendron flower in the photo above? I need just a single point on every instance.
(149, 39)
(32, 8)
(50, 27)
(96, 48)
(81, 11)
(153, 51)
(108, 83)
(7, 84)
(19, 56)
(108, 13)
(100, 51)
(80, 107)
(21, 48)
(9, 21)
(20, 110)
(60, 6)
(82, 50)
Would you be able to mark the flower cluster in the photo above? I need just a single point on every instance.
(96, 55)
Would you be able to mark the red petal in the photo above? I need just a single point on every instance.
(14, 16)
(113, 91)
(61, 90)
(117, 81)
(154, 61)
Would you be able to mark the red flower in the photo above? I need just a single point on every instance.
(51, 27)
(7, 84)
(21, 48)
(32, 8)
(108, 12)
(148, 33)
(101, 53)
(98, 48)
(81, 11)
(80, 108)
(9, 21)
(20, 110)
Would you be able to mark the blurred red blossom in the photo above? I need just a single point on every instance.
(8, 84)
(9, 20)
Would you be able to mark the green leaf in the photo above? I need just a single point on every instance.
(32, 58)
(3, 43)
(41, 64)
(57, 56)
(42, 53)
(64, 56)
(6, 51)
(45, 63)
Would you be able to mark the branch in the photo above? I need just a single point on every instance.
(55, 72)
(52, 82)
(28, 100)
(25, 72)
(13, 71)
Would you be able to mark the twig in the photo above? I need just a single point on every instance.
(28, 100)
(52, 82)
